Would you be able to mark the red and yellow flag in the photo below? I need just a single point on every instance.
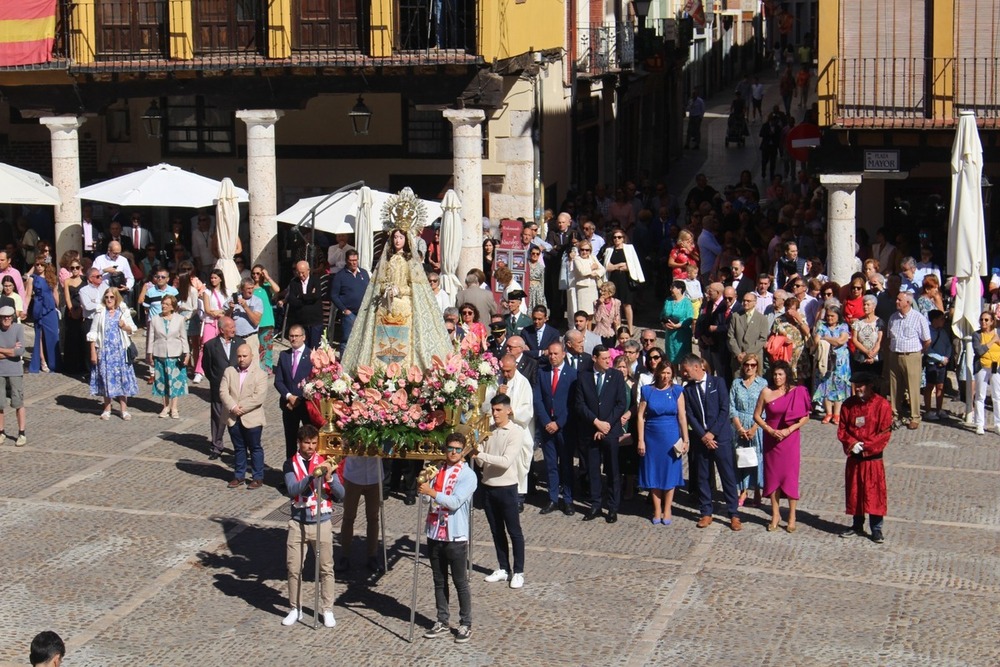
(27, 30)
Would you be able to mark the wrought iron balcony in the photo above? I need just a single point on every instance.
(604, 49)
(164, 35)
(911, 92)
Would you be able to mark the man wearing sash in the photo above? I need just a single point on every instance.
(448, 536)
(306, 511)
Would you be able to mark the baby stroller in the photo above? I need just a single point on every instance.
(736, 128)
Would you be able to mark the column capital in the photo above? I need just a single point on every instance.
(62, 123)
(464, 116)
(841, 181)
(260, 116)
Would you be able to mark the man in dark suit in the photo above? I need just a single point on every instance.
(526, 365)
(739, 280)
(722, 317)
(219, 354)
(576, 358)
(115, 234)
(600, 404)
(560, 238)
(554, 394)
(305, 304)
(496, 344)
(294, 366)
(139, 237)
(539, 335)
(706, 404)
(702, 326)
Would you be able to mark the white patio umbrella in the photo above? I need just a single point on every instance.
(159, 185)
(364, 235)
(338, 214)
(451, 243)
(19, 186)
(227, 226)
(967, 239)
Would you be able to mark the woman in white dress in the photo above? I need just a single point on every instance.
(587, 272)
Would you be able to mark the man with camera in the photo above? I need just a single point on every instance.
(116, 272)
(246, 310)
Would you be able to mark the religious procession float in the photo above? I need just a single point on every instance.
(402, 385)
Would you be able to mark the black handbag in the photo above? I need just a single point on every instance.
(131, 353)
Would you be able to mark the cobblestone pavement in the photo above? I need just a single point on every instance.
(122, 537)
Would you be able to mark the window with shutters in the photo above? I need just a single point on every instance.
(977, 54)
(882, 67)
(193, 127)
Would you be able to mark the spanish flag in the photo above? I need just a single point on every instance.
(27, 31)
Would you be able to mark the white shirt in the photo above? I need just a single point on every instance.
(337, 256)
(764, 301)
(90, 298)
(102, 262)
(596, 244)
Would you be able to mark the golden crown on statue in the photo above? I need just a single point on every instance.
(405, 212)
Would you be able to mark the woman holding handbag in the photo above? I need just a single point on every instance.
(986, 347)
(792, 326)
(662, 440)
(167, 354)
(782, 409)
(743, 397)
(111, 372)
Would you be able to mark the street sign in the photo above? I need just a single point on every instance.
(882, 160)
(800, 139)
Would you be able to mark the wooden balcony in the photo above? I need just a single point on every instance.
(918, 93)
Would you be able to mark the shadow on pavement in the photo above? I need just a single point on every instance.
(206, 469)
(91, 404)
(255, 560)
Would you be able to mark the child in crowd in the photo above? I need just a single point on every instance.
(692, 288)
(936, 363)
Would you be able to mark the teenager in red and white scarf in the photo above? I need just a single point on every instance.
(447, 527)
(304, 472)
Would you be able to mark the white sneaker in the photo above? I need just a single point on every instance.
(328, 619)
(198, 377)
(517, 581)
(294, 616)
(498, 575)
(980, 430)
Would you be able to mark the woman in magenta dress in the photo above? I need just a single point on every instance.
(782, 409)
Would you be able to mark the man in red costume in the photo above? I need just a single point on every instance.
(865, 426)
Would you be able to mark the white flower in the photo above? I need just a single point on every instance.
(450, 386)
(472, 383)
(485, 368)
(339, 387)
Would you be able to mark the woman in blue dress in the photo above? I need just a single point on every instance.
(662, 425)
(43, 296)
(111, 375)
(833, 387)
(677, 318)
(742, 401)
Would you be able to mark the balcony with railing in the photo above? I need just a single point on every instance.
(910, 92)
(164, 35)
(604, 49)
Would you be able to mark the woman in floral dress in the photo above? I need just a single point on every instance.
(792, 325)
(835, 385)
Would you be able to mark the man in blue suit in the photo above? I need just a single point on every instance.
(554, 393)
(539, 335)
(600, 404)
(706, 402)
(292, 368)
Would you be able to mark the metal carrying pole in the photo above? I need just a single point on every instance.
(318, 487)
(416, 564)
(381, 510)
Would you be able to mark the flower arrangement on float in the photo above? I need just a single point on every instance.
(404, 409)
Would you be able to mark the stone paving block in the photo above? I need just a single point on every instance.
(27, 471)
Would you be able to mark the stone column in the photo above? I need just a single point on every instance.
(262, 184)
(467, 168)
(841, 223)
(66, 177)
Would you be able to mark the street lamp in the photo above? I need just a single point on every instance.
(361, 116)
(152, 121)
(641, 11)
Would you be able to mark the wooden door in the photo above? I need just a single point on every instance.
(227, 25)
(326, 24)
(131, 27)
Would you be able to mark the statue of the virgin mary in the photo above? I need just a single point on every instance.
(399, 320)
